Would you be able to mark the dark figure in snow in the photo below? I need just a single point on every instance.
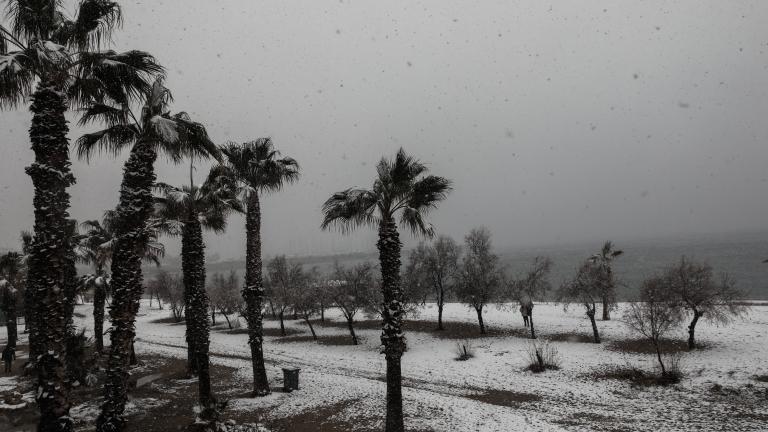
(9, 355)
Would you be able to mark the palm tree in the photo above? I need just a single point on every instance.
(258, 168)
(198, 207)
(154, 131)
(403, 191)
(604, 259)
(95, 248)
(57, 62)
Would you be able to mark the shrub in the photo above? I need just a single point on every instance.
(542, 356)
(464, 350)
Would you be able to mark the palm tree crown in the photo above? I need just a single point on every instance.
(42, 44)
(400, 187)
(176, 135)
(257, 165)
(210, 203)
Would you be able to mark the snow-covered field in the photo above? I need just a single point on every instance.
(438, 389)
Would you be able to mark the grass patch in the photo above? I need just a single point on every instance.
(645, 346)
(268, 331)
(167, 320)
(570, 337)
(334, 340)
(504, 398)
(452, 329)
(761, 378)
(637, 376)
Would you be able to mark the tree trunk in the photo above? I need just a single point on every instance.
(282, 325)
(193, 250)
(322, 312)
(658, 356)
(99, 296)
(253, 294)
(351, 327)
(480, 319)
(440, 304)
(606, 309)
(226, 317)
(133, 361)
(9, 308)
(692, 330)
(192, 268)
(213, 315)
(311, 329)
(49, 265)
(591, 315)
(392, 337)
(133, 210)
(530, 321)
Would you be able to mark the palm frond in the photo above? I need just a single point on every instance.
(16, 78)
(349, 209)
(111, 140)
(94, 23)
(413, 219)
(120, 77)
(427, 192)
(179, 137)
(33, 19)
(104, 113)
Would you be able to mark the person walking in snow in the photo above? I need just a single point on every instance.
(525, 312)
(9, 355)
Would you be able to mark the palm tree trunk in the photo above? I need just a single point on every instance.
(49, 266)
(99, 297)
(392, 334)
(133, 210)
(191, 257)
(193, 264)
(253, 294)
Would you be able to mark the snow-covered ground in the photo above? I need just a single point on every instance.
(438, 389)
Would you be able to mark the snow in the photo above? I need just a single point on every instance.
(437, 389)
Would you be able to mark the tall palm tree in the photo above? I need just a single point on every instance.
(198, 207)
(57, 62)
(401, 192)
(95, 249)
(154, 131)
(258, 168)
(604, 259)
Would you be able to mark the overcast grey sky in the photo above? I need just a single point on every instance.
(558, 121)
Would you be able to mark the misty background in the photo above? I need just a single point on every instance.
(562, 124)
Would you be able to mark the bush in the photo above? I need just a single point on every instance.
(464, 350)
(542, 356)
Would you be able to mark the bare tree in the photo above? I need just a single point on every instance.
(655, 314)
(305, 301)
(479, 278)
(281, 282)
(435, 267)
(171, 289)
(604, 259)
(533, 286)
(698, 292)
(584, 289)
(352, 290)
(225, 295)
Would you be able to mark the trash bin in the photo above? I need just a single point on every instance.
(290, 379)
